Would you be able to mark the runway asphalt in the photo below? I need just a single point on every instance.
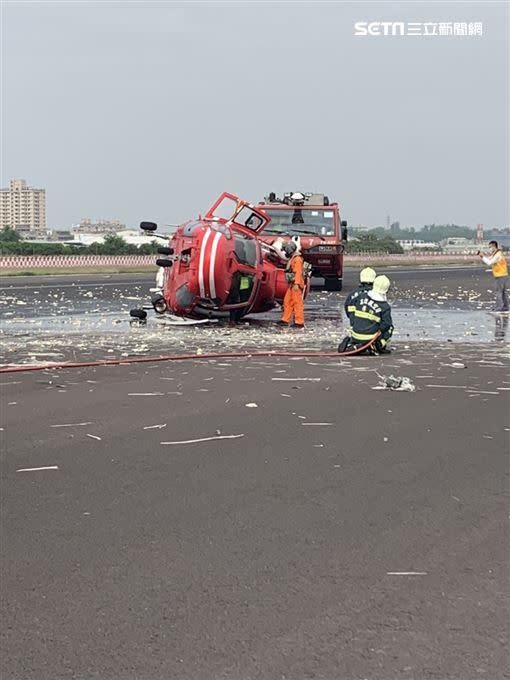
(268, 555)
(70, 319)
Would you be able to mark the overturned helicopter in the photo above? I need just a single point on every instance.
(217, 267)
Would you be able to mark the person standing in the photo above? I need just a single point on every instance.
(496, 260)
(366, 281)
(293, 304)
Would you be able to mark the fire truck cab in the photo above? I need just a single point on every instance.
(317, 222)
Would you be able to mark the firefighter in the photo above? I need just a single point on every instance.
(366, 280)
(371, 315)
(293, 304)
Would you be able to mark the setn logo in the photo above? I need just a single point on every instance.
(379, 28)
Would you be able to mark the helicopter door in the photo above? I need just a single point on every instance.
(230, 208)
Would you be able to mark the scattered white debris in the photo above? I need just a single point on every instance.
(397, 384)
(385, 439)
(93, 436)
(154, 427)
(203, 439)
(146, 394)
(406, 573)
(296, 379)
(36, 469)
(318, 424)
(71, 424)
(251, 405)
(482, 392)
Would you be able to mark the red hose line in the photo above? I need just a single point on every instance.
(179, 357)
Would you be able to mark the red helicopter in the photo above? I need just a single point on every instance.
(217, 267)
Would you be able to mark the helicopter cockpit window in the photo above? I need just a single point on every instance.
(247, 218)
(189, 229)
(218, 226)
(228, 208)
(246, 250)
(225, 209)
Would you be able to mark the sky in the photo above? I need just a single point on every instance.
(149, 110)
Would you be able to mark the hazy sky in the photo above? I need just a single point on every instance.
(150, 110)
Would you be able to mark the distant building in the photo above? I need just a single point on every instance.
(23, 208)
(86, 226)
(418, 244)
(458, 244)
(361, 228)
(130, 236)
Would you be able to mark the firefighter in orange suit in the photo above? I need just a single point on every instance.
(293, 304)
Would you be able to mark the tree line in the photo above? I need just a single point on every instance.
(11, 243)
(369, 242)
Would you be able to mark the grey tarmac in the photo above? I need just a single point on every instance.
(284, 553)
(257, 518)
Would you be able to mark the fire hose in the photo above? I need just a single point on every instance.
(183, 357)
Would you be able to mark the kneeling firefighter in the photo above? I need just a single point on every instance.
(366, 281)
(295, 274)
(370, 319)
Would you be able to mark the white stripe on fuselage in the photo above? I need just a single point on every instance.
(201, 263)
(212, 264)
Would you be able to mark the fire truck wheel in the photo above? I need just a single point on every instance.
(332, 283)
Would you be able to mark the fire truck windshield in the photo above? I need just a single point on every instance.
(300, 221)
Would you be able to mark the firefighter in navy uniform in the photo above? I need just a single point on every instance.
(366, 281)
(371, 315)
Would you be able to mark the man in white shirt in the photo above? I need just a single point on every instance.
(496, 260)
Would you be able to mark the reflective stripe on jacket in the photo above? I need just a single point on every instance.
(351, 298)
(369, 317)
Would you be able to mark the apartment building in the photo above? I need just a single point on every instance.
(22, 207)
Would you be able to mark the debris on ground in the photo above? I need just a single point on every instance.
(396, 383)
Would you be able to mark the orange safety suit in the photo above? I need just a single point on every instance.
(293, 300)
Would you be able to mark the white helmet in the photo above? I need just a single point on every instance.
(381, 284)
(367, 275)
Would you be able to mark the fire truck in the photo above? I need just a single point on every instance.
(317, 222)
